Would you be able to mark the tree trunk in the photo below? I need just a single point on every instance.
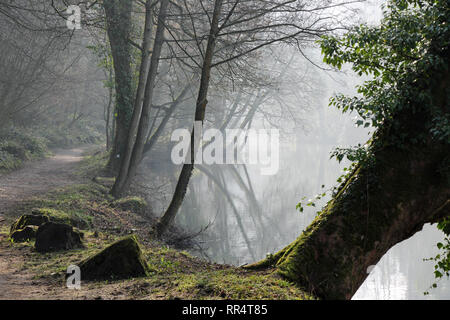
(108, 129)
(186, 171)
(141, 93)
(384, 202)
(118, 19)
(129, 169)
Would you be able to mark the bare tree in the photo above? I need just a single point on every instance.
(246, 27)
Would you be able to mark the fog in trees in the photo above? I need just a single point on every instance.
(231, 214)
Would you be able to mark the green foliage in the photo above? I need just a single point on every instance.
(8, 161)
(355, 154)
(103, 53)
(22, 144)
(17, 146)
(311, 202)
(28, 140)
(347, 173)
(442, 260)
(402, 56)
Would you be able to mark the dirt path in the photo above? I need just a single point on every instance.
(15, 284)
(35, 178)
(40, 176)
(16, 281)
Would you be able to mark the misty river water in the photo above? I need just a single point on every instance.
(403, 274)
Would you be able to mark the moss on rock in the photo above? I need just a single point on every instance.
(120, 260)
(58, 216)
(28, 220)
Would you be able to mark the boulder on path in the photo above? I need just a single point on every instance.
(53, 236)
(120, 260)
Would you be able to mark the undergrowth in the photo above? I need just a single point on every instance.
(18, 145)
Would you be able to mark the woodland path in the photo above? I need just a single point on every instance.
(40, 176)
(34, 178)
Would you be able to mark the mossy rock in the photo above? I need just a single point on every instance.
(133, 204)
(53, 236)
(28, 220)
(23, 235)
(120, 260)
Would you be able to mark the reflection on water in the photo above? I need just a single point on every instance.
(402, 273)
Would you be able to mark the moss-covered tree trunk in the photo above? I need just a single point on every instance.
(384, 202)
(118, 20)
(140, 122)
